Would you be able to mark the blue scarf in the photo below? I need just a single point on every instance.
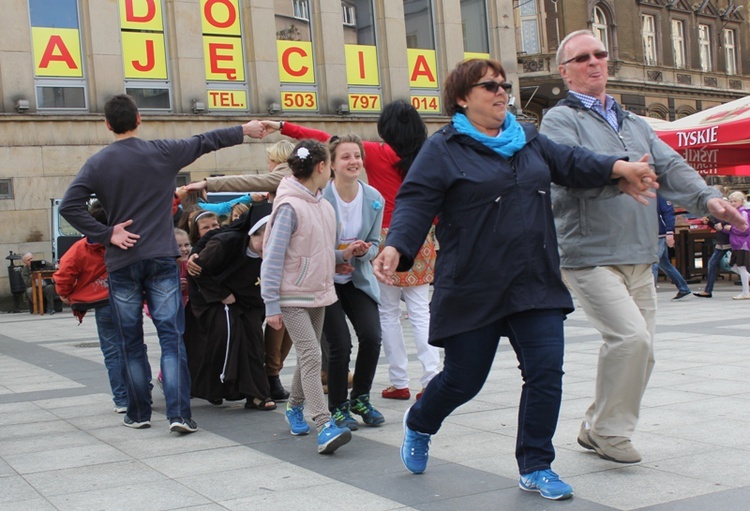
(512, 139)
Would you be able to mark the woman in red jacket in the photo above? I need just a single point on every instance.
(81, 281)
(386, 165)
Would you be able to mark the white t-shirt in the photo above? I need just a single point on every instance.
(350, 215)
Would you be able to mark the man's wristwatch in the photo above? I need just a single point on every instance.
(281, 125)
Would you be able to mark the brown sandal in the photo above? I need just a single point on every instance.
(264, 405)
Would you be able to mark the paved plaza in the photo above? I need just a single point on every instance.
(62, 447)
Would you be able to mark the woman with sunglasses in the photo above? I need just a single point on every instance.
(487, 179)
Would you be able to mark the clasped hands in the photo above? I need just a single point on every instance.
(636, 179)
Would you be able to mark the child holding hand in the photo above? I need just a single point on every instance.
(297, 282)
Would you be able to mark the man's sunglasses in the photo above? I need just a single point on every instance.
(492, 86)
(580, 59)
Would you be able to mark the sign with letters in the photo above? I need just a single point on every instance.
(223, 53)
(422, 68)
(143, 46)
(295, 61)
(57, 52)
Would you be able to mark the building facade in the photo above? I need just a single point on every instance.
(195, 65)
(667, 58)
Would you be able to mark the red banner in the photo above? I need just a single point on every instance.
(715, 141)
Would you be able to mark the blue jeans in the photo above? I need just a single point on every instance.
(713, 264)
(158, 281)
(538, 340)
(110, 346)
(670, 271)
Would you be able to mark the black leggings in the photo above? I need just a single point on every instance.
(362, 311)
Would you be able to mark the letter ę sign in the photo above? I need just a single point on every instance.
(223, 54)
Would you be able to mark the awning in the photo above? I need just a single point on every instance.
(715, 141)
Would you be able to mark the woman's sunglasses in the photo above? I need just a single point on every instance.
(580, 59)
(492, 86)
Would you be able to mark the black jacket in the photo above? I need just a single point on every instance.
(498, 247)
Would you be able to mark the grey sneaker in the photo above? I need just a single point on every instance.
(180, 425)
(130, 423)
(613, 448)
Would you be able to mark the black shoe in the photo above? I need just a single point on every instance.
(278, 392)
(680, 295)
(703, 294)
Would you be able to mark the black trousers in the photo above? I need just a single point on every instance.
(362, 311)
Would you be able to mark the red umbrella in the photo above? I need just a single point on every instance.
(715, 141)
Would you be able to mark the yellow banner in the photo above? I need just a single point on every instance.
(57, 52)
(141, 15)
(143, 55)
(227, 99)
(295, 62)
(475, 55)
(306, 100)
(426, 104)
(422, 68)
(364, 102)
(223, 58)
(361, 65)
(220, 17)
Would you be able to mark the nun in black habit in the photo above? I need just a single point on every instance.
(226, 359)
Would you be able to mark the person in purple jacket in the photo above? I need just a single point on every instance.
(134, 180)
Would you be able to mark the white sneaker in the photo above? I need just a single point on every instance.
(741, 297)
(121, 409)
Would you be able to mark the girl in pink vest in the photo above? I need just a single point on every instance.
(297, 282)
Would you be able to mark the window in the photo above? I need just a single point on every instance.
(348, 14)
(6, 188)
(182, 179)
(144, 56)
(51, 95)
(422, 57)
(300, 9)
(58, 62)
(419, 28)
(149, 97)
(684, 111)
(474, 26)
(362, 66)
(678, 43)
(730, 51)
(296, 53)
(648, 29)
(224, 59)
(704, 43)
(529, 27)
(658, 111)
(600, 26)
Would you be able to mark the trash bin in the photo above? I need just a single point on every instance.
(17, 287)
